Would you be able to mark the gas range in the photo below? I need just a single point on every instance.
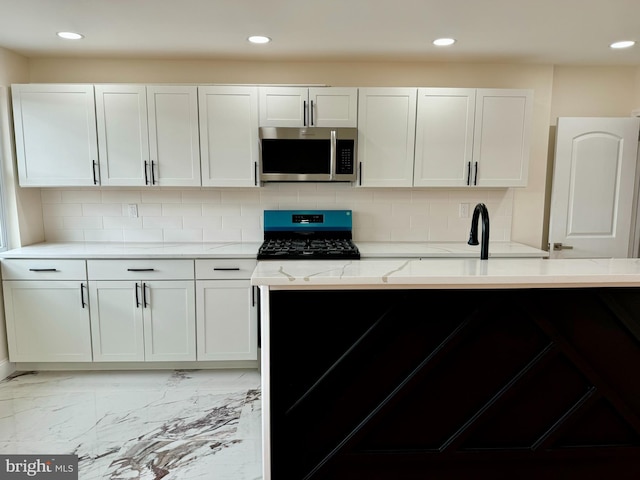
(308, 235)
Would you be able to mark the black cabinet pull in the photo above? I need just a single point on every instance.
(226, 269)
(475, 175)
(43, 269)
(468, 173)
(360, 173)
(146, 174)
(82, 295)
(255, 173)
(144, 296)
(304, 113)
(137, 297)
(311, 114)
(153, 177)
(95, 178)
(141, 269)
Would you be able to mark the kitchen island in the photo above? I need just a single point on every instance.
(450, 368)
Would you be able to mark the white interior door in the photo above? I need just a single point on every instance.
(593, 194)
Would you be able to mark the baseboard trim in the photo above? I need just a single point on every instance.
(87, 366)
(6, 368)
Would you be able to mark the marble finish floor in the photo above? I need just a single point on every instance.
(170, 425)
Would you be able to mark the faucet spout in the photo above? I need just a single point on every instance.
(481, 209)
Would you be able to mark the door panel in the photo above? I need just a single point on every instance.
(593, 193)
(170, 321)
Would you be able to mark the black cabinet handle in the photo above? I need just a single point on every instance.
(255, 173)
(468, 173)
(153, 177)
(82, 295)
(311, 114)
(475, 175)
(95, 178)
(226, 269)
(43, 269)
(137, 297)
(144, 296)
(304, 113)
(146, 174)
(141, 269)
(360, 173)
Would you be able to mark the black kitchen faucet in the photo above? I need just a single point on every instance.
(481, 208)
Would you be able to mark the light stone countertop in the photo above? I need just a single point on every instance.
(250, 249)
(448, 273)
(135, 250)
(445, 250)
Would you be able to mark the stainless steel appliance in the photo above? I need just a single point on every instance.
(308, 234)
(315, 154)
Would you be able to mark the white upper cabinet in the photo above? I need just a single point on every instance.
(55, 131)
(123, 134)
(174, 144)
(444, 137)
(386, 133)
(472, 137)
(229, 143)
(502, 137)
(308, 107)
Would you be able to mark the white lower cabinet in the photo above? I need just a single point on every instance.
(149, 317)
(47, 311)
(227, 312)
(136, 310)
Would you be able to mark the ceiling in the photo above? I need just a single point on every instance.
(567, 32)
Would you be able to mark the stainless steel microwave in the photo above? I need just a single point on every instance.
(315, 154)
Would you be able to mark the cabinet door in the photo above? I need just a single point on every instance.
(386, 134)
(444, 137)
(47, 321)
(116, 321)
(227, 320)
(333, 107)
(174, 144)
(55, 131)
(123, 134)
(283, 106)
(229, 143)
(169, 320)
(502, 137)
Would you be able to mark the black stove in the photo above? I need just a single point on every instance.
(308, 234)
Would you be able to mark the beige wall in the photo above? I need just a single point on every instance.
(13, 68)
(23, 206)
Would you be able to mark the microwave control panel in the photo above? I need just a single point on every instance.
(345, 153)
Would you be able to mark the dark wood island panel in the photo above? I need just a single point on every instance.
(454, 384)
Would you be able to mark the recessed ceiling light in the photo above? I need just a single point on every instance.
(70, 35)
(623, 44)
(444, 42)
(259, 39)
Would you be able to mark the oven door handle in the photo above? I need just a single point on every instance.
(332, 152)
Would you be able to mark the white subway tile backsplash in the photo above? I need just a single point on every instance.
(182, 210)
(121, 196)
(236, 214)
(62, 210)
(81, 196)
(82, 222)
(187, 235)
(150, 235)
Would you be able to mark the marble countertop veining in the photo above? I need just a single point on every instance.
(446, 250)
(250, 249)
(448, 273)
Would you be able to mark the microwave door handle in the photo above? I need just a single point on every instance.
(332, 168)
